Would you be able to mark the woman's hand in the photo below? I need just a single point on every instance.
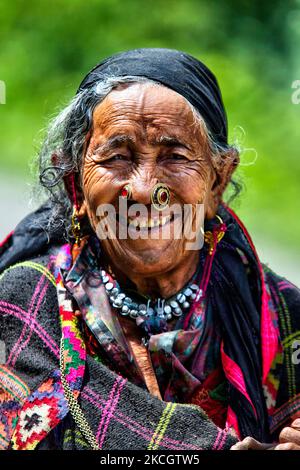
(289, 439)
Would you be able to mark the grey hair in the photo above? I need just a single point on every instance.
(62, 149)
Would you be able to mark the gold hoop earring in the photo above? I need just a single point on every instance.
(209, 237)
(219, 218)
(75, 226)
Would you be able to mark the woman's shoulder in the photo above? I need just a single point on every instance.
(285, 296)
(29, 316)
(22, 279)
(280, 283)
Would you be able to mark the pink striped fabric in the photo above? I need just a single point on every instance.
(235, 376)
(269, 333)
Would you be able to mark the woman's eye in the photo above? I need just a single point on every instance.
(118, 156)
(177, 156)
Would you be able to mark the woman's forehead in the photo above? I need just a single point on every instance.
(143, 104)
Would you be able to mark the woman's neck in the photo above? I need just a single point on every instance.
(161, 285)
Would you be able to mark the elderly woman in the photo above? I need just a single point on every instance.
(122, 329)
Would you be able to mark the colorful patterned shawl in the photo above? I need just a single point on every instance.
(237, 350)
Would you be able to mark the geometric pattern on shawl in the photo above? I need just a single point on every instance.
(121, 414)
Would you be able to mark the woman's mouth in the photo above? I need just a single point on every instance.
(143, 223)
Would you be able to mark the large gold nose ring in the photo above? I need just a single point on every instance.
(160, 196)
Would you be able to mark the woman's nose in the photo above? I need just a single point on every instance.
(141, 188)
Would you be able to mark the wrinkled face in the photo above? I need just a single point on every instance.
(144, 134)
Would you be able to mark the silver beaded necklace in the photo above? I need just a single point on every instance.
(166, 309)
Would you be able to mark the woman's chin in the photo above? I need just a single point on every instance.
(149, 256)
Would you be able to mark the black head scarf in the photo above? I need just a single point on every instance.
(177, 70)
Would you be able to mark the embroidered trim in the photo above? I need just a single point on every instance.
(13, 385)
(284, 413)
(42, 411)
(74, 407)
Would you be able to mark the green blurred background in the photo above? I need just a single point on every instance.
(253, 48)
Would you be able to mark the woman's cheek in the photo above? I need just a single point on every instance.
(195, 192)
(93, 192)
(96, 184)
(191, 184)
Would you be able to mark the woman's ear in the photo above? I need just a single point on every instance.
(222, 170)
(74, 193)
(82, 212)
